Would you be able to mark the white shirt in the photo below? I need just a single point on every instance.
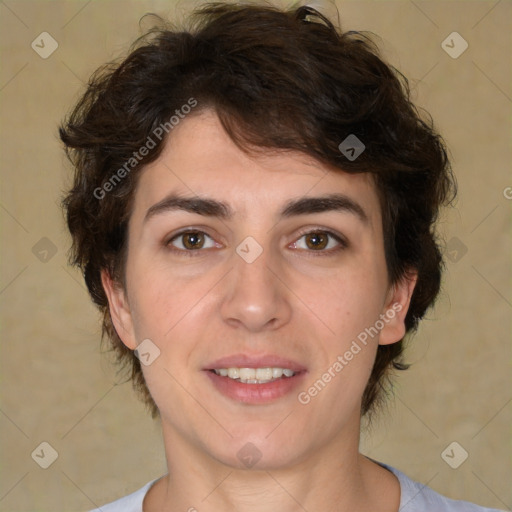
(414, 497)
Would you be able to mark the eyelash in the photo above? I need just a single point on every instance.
(343, 244)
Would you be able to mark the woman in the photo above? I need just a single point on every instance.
(253, 211)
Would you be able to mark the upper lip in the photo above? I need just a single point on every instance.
(248, 361)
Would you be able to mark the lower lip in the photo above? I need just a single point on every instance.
(255, 393)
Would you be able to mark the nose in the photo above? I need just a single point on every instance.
(256, 296)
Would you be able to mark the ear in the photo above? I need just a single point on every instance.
(119, 310)
(396, 307)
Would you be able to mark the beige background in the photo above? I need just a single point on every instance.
(58, 388)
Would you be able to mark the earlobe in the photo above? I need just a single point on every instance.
(396, 308)
(119, 310)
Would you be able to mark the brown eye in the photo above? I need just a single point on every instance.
(193, 240)
(320, 241)
(188, 241)
(317, 240)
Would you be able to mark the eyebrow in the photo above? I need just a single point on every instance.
(302, 206)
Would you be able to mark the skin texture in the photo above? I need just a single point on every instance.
(294, 301)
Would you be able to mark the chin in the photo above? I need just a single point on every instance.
(259, 452)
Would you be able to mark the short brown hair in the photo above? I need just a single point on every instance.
(277, 79)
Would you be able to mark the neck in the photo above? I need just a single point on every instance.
(333, 477)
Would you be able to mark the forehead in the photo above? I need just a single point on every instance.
(200, 159)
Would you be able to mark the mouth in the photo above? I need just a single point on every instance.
(253, 380)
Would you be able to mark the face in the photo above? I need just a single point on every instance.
(268, 263)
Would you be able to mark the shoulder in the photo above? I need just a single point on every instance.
(130, 503)
(416, 497)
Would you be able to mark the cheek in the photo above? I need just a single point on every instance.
(168, 312)
(167, 306)
(349, 301)
(350, 307)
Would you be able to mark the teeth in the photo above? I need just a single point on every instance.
(246, 373)
(264, 373)
(277, 372)
(233, 373)
(254, 375)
